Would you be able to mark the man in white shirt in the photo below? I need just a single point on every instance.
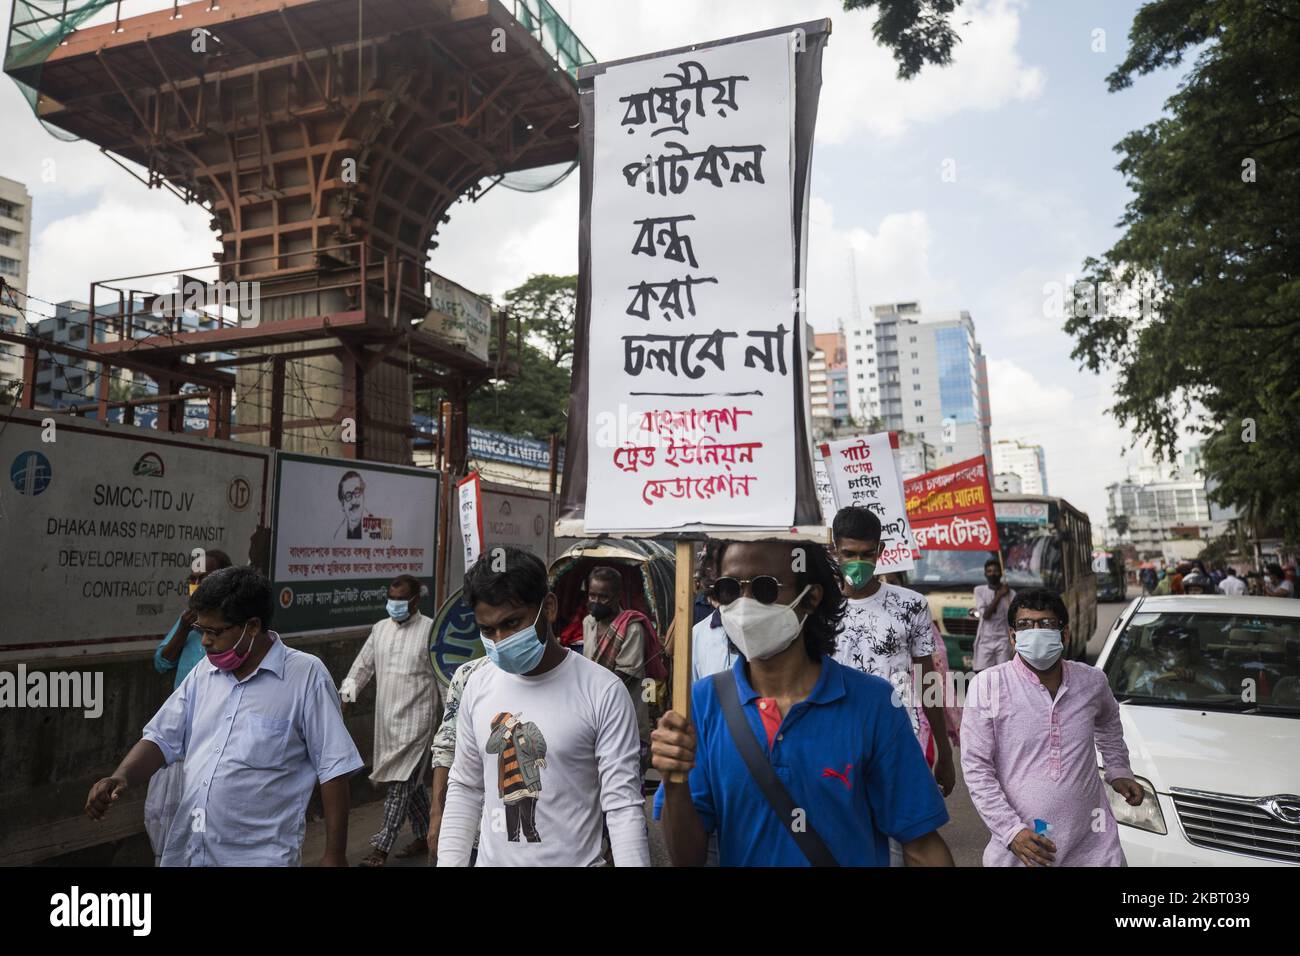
(546, 740)
(396, 654)
(993, 635)
(886, 628)
(711, 651)
(1232, 585)
(258, 726)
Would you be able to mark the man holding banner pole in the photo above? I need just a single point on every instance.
(690, 250)
(852, 775)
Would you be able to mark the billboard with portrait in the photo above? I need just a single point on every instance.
(342, 531)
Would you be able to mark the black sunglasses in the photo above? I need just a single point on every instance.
(763, 589)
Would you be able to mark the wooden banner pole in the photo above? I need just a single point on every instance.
(682, 635)
(446, 507)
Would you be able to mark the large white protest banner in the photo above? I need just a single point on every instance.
(863, 472)
(690, 417)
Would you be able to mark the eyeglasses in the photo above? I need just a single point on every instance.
(214, 632)
(763, 589)
(353, 495)
(1050, 623)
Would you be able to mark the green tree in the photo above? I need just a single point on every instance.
(535, 402)
(1214, 229)
(918, 31)
(532, 404)
(548, 305)
(120, 390)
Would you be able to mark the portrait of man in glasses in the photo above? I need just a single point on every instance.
(352, 502)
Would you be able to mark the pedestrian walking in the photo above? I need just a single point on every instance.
(396, 655)
(1030, 735)
(546, 740)
(851, 774)
(259, 725)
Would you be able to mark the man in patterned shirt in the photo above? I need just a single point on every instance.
(886, 629)
(444, 748)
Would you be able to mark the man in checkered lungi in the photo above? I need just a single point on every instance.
(409, 797)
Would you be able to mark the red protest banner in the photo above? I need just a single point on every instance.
(951, 509)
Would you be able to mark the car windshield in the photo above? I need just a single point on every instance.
(1245, 662)
(1032, 559)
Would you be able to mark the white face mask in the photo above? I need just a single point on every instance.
(1041, 648)
(761, 631)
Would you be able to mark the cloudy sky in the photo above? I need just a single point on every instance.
(1022, 116)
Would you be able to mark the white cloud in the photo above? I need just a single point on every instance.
(892, 263)
(142, 231)
(860, 89)
(862, 94)
(1083, 446)
(51, 168)
(497, 243)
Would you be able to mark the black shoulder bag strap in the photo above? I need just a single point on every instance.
(760, 768)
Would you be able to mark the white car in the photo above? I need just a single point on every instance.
(1209, 693)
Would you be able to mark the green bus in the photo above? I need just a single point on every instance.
(1045, 542)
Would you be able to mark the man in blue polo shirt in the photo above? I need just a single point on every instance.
(840, 748)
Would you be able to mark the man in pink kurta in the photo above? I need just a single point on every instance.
(1030, 734)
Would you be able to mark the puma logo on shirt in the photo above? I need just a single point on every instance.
(844, 777)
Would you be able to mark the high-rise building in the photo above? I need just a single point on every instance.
(828, 381)
(1023, 460)
(1008, 481)
(818, 390)
(924, 374)
(15, 251)
(63, 380)
(861, 372)
(1155, 512)
(1164, 501)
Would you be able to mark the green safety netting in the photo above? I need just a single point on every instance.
(36, 28)
(556, 37)
(549, 29)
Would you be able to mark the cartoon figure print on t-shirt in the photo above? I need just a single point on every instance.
(521, 755)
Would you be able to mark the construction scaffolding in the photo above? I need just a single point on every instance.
(329, 140)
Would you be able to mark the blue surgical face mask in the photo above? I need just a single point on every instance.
(519, 653)
(1041, 648)
(399, 610)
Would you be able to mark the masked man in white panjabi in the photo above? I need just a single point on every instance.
(406, 701)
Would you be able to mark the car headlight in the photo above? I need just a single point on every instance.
(1145, 816)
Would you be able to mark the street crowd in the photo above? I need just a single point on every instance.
(805, 744)
(1192, 577)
